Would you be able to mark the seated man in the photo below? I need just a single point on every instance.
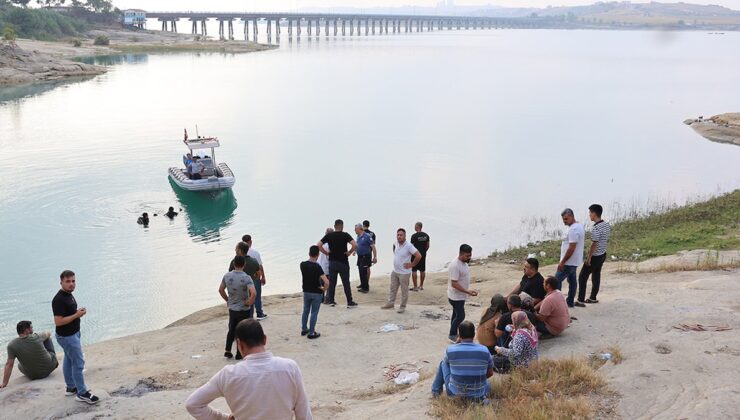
(514, 302)
(35, 354)
(261, 386)
(196, 168)
(553, 316)
(465, 368)
(531, 282)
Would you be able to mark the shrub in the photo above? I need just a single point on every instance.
(101, 40)
(9, 34)
(77, 43)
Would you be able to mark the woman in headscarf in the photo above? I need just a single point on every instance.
(487, 325)
(523, 348)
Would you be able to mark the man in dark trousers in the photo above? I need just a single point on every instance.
(67, 320)
(338, 261)
(239, 299)
(420, 241)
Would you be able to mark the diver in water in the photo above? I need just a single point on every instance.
(171, 213)
(143, 220)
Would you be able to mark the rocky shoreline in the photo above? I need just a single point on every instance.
(30, 61)
(723, 128)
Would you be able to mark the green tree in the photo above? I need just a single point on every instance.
(9, 34)
(23, 3)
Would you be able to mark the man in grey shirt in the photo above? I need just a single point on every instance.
(240, 297)
(35, 354)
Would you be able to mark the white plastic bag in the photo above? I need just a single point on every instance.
(390, 327)
(407, 378)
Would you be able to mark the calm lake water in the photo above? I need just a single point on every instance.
(473, 133)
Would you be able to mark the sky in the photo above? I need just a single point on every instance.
(277, 5)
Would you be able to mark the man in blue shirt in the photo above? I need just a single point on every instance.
(466, 367)
(366, 257)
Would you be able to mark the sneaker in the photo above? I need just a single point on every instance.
(238, 357)
(332, 304)
(580, 304)
(401, 310)
(363, 291)
(88, 397)
(387, 306)
(421, 287)
(70, 391)
(452, 338)
(304, 332)
(228, 354)
(352, 304)
(414, 289)
(260, 317)
(314, 335)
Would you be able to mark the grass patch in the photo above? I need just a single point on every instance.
(713, 224)
(709, 262)
(549, 389)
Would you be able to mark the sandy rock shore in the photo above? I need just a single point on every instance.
(31, 61)
(666, 373)
(723, 128)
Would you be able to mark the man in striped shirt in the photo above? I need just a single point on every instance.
(596, 255)
(465, 368)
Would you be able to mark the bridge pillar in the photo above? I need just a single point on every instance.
(290, 28)
(220, 29)
(308, 29)
(298, 27)
(246, 29)
(326, 28)
(343, 26)
(269, 30)
(231, 29)
(385, 24)
(255, 31)
(351, 27)
(335, 27)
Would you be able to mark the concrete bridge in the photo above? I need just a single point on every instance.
(332, 24)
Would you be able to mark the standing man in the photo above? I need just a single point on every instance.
(240, 298)
(420, 241)
(596, 256)
(35, 354)
(262, 387)
(405, 257)
(366, 228)
(67, 322)
(458, 288)
(258, 282)
(338, 261)
(314, 284)
(571, 254)
(251, 266)
(366, 256)
(324, 259)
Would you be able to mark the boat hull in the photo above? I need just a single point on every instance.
(211, 183)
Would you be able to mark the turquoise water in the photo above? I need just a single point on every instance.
(474, 133)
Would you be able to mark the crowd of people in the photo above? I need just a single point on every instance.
(507, 333)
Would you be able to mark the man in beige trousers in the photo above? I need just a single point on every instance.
(402, 265)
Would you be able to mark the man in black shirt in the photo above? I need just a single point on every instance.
(338, 261)
(314, 284)
(67, 320)
(514, 302)
(532, 281)
(420, 241)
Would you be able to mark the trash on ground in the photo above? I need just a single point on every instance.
(700, 327)
(391, 327)
(407, 378)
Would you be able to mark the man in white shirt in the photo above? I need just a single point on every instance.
(258, 282)
(571, 254)
(261, 387)
(324, 258)
(458, 288)
(402, 265)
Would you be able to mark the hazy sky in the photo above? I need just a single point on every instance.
(268, 5)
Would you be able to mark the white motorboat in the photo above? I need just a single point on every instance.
(214, 176)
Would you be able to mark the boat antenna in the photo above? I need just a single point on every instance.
(197, 134)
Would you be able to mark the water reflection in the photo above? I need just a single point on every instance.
(207, 212)
(110, 60)
(12, 93)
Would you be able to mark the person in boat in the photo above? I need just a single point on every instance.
(143, 219)
(171, 213)
(188, 160)
(196, 169)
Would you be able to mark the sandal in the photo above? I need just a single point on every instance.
(591, 301)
